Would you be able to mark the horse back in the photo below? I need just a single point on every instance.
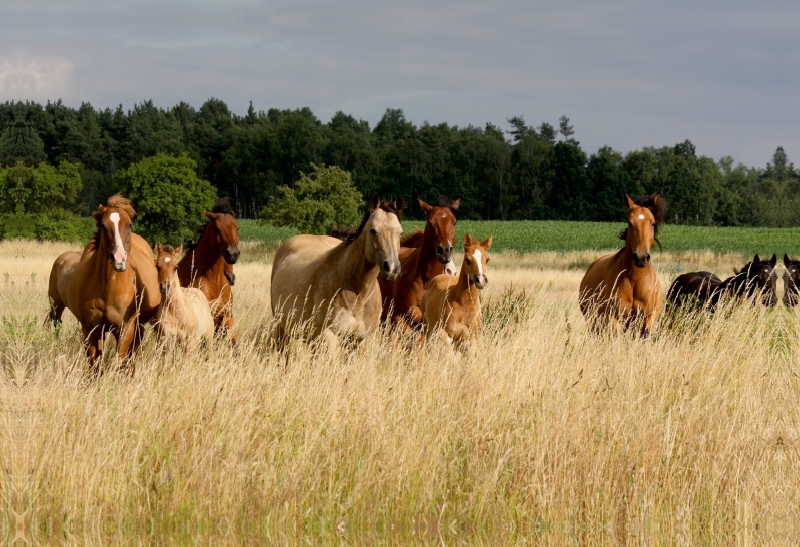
(61, 275)
(699, 284)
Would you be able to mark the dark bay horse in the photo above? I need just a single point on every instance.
(619, 289)
(424, 259)
(756, 277)
(207, 265)
(332, 285)
(791, 281)
(111, 287)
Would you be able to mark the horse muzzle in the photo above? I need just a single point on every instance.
(481, 281)
(119, 259)
(164, 288)
(444, 253)
(231, 255)
(641, 261)
(390, 270)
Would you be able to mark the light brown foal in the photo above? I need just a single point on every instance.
(451, 305)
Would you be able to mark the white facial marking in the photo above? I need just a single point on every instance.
(167, 259)
(641, 217)
(114, 218)
(478, 261)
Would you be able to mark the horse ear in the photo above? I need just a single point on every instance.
(456, 204)
(487, 243)
(756, 260)
(399, 203)
(99, 213)
(374, 202)
(179, 251)
(467, 240)
(427, 208)
(786, 259)
(656, 199)
(210, 215)
(628, 201)
(159, 248)
(773, 260)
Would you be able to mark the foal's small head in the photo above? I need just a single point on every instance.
(441, 226)
(791, 281)
(643, 222)
(224, 230)
(167, 259)
(382, 229)
(476, 258)
(114, 230)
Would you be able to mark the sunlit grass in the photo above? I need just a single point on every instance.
(549, 436)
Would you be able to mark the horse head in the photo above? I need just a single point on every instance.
(114, 230)
(440, 230)
(167, 259)
(761, 277)
(476, 258)
(644, 217)
(223, 230)
(791, 281)
(382, 230)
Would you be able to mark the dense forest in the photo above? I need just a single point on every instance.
(512, 172)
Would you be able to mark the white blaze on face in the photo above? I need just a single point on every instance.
(167, 259)
(478, 255)
(119, 250)
(641, 217)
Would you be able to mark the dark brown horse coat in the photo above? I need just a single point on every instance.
(791, 281)
(111, 287)
(208, 264)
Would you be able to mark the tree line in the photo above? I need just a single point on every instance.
(512, 172)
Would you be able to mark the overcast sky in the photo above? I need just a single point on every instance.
(628, 74)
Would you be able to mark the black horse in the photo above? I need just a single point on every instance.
(756, 277)
(791, 281)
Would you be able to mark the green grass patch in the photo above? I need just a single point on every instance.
(552, 235)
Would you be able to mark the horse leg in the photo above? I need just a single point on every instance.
(415, 316)
(94, 349)
(127, 342)
(230, 327)
(57, 307)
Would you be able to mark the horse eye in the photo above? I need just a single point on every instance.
(373, 231)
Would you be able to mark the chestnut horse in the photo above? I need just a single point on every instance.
(452, 307)
(331, 285)
(756, 277)
(791, 281)
(207, 265)
(426, 258)
(622, 288)
(111, 287)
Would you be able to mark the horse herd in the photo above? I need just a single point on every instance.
(343, 287)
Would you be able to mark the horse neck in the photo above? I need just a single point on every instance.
(464, 291)
(206, 256)
(358, 272)
(175, 303)
(739, 284)
(426, 256)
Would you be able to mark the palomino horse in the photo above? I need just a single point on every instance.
(111, 287)
(207, 265)
(622, 288)
(420, 264)
(452, 306)
(756, 277)
(791, 281)
(184, 315)
(330, 285)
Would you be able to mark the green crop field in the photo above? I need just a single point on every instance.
(552, 235)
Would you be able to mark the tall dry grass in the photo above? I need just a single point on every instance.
(550, 435)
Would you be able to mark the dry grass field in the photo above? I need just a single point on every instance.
(550, 436)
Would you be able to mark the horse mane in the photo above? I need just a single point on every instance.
(222, 205)
(344, 233)
(411, 239)
(659, 211)
(387, 206)
(168, 249)
(446, 202)
(117, 201)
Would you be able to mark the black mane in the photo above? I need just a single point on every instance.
(444, 201)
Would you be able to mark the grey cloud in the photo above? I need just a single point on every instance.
(629, 74)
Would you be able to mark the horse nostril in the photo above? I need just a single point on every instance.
(385, 266)
(647, 258)
(440, 250)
